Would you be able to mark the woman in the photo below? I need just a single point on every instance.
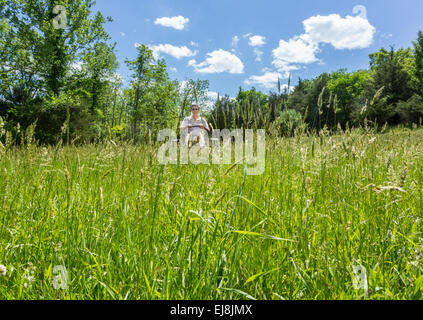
(195, 126)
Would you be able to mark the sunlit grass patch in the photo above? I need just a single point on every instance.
(126, 227)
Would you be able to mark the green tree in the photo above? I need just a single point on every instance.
(153, 97)
(418, 60)
(51, 46)
(142, 76)
(348, 88)
(392, 70)
(101, 64)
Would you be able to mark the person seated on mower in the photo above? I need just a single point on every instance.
(194, 126)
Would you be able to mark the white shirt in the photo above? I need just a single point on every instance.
(195, 123)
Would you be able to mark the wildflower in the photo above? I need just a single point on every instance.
(3, 270)
(29, 275)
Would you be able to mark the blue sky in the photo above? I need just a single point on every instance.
(247, 43)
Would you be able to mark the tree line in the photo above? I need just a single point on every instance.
(389, 92)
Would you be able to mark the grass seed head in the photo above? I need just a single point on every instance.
(67, 175)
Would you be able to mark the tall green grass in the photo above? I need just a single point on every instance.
(128, 228)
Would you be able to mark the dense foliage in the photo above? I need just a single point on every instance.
(389, 92)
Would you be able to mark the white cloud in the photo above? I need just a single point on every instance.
(268, 80)
(286, 67)
(294, 51)
(123, 34)
(178, 23)
(176, 52)
(194, 44)
(258, 54)
(173, 69)
(247, 35)
(285, 88)
(76, 66)
(116, 78)
(257, 41)
(183, 86)
(235, 41)
(210, 101)
(212, 95)
(342, 33)
(219, 61)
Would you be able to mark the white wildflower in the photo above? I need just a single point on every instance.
(3, 270)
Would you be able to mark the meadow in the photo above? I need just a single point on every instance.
(125, 227)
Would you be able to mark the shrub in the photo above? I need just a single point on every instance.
(52, 121)
(288, 121)
(411, 111)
